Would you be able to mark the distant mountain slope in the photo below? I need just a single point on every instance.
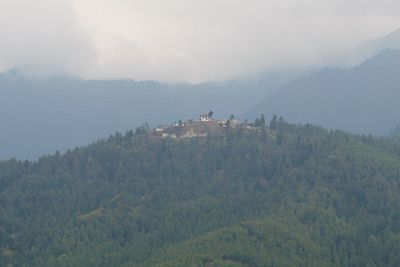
(40, 116)
(378, 45)
(363, 100)
(365, 50)
(289, 196)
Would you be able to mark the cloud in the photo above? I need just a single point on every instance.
(42, 37)
(192, 40)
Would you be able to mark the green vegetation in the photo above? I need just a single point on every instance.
(289, 195)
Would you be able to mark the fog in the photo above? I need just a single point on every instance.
(184, 40)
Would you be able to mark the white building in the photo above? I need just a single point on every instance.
(205, 117)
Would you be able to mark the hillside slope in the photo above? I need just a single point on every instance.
(289, 196)
(40, 116)
(378, 45)
(362, 100)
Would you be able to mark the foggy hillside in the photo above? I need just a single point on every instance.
(378, 45)
(40, 116)
(361, 100)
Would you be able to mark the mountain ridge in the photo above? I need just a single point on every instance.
(360, 100)
(42, 115)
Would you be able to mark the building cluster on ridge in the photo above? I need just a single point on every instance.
(201, 127)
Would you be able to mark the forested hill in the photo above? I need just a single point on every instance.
(286, 196)
(42, 115)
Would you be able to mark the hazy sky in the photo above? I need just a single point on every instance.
(184, 40)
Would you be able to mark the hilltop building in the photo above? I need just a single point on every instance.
(204, 126)
(205, 117)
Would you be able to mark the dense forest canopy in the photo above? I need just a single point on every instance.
(289, 195)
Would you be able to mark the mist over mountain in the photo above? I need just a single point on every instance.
(41, 115)
(200, 133)
(361, 100)
(378, 45)
(392, 40)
